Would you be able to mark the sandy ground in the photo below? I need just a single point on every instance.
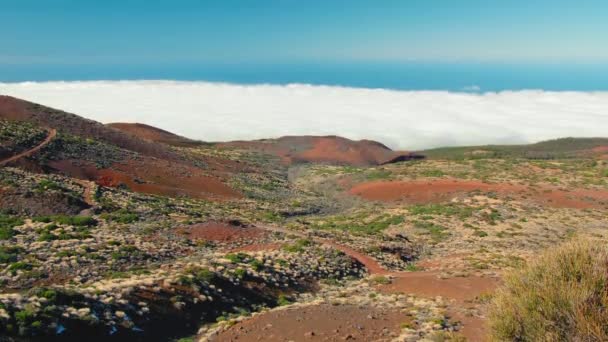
(319, 323)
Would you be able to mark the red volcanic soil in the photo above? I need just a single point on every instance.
(156, 170)
(433, 191)
(152, 134)
(460, 289)
(427, 284)
(327, 149)
(373, 267)
(221, 232)
(151, 176)
(319, 323)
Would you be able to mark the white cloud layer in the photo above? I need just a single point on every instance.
(401, 119)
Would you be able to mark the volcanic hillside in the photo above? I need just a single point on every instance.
(549, 149)
(89, 150)
(325, 149)
(153, 134)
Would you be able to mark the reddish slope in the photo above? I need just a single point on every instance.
(20, 110)
(153, 169)
(327, 149)
(153, 134)
(443, 190)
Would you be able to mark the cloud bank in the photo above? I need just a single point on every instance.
(409, 120)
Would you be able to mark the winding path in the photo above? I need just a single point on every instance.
(370, 263)
(46, 141)
(422, 283)
(88, 194)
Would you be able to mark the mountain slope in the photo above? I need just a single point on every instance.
(325, 149)
(89, 150)
(153, 134)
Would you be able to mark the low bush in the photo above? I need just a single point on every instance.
(561, 296)
(298, 246)
(120, 216)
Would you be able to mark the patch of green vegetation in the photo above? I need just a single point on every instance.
(283, 300)
(432, 173)
(411, 267)
(7, 223)
(257, 265)
(550, 149)
(17, 136)
(240, 273)
(66, 146)
(237, 258)
(361, 224)
(437, 232)
(20, 266)
(6, 233)
(378, 174)
(53, 232)
(381, 280)
(298, 246)
(46, 185)
(9, 254)
(451, 209)
(67, 220)
(186, 339)
(120, 216)
(480, 233)
(125, 252)
(491, 217)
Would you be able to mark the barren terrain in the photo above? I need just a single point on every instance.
(131, 233)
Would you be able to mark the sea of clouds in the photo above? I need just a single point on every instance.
(409, 120)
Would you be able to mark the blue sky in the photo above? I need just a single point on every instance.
(229, 31)
(308, 41)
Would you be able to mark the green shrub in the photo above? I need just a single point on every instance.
(562, 296)
(121, 216)
(298, 246)
(10, 221)
(236, 258)
(283, 300)
(43, 219)
(45, 185)
(480, 233)
(6, 233)
(437, 232)
(80, 221)
(204, 274)
(7, 222)
(442, 209)
(257, 265)
(240, 273)
(20, 265)
(9, 254)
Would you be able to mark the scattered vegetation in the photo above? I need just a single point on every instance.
(559, 297)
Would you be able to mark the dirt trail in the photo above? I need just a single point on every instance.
(88, 194)
(370, 263)
(424, 283)
(46, 141)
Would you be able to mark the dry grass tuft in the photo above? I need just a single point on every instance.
(562, 296)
